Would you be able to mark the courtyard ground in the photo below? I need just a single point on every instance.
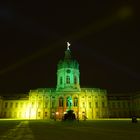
(56, 130)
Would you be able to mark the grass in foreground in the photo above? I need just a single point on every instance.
(97, 129)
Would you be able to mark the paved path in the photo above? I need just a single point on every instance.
(20, 132)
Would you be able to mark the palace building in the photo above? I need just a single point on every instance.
(50, 103)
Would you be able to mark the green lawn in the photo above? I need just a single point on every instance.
(83, 130)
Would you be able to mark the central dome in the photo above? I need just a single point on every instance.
(68, 73)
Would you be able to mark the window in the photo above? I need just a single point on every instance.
(75, 80)
(40, 97)
(16, 105)
(46, 114)
(39, 104)
(11, 105)
(46, 104)
(89, 104)
(61, 81)
(68, 80)
(96, 104)
(60, 102)
(103, 104)
(53, 104)
(39, 114)
(75, 101)
(109, 104)
(83, 104)
(6, 104)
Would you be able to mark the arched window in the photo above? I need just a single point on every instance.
(61, 81)
(68, 79)
(75, 101)
(61, 102)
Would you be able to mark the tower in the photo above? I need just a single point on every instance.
(68, 75)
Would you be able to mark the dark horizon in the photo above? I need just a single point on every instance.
(103, 36)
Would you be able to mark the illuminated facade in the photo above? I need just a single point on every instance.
(52, 103)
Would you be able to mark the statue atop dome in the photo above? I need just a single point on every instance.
(68, 44)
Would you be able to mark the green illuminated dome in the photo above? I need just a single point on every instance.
(68, 73)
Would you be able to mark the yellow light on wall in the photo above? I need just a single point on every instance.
(57, 113)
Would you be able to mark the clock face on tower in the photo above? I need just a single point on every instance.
(68, 71)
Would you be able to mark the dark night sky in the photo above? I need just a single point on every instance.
(104, 38)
